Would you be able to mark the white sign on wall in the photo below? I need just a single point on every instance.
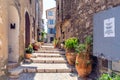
(109, 27)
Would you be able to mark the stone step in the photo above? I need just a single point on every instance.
(49, 76)
(47, 68)
(12, 65)
(55, 49)
(34, 55)
(50, 51)
(49, 47)
(48, 44)
(49, 60)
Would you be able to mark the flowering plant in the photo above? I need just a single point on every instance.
(29, 49)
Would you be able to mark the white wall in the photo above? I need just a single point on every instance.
(13, 40)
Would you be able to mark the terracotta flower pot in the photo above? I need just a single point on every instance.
(35, 47)
(28, 55)
(83, 66)
(71, 57)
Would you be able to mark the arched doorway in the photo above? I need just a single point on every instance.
(27, 29)
(13, 36)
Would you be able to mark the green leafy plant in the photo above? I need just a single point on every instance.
(107, 76)
(88, 40)
(55, 41)
(29, 49)
(80, 48)
(76, 62)
(43, 35)
(71, 43)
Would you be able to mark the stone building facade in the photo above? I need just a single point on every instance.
(51, 18)
(75, 17)
(17, 23)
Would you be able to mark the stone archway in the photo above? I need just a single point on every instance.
(13, 36)
(27, 29)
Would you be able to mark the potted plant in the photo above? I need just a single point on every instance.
(55, 43)
(70, 50)
(83, 61)
(28, 51)
(36, 46)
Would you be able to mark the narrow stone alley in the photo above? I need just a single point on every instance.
(47, 64)
(59, 39)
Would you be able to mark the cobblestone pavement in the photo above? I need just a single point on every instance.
(47, 76)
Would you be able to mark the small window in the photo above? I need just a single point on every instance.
(50, 13)
(51, 30)
(51, 22)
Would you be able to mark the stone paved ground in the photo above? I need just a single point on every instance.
(48, 76)
(61, 69)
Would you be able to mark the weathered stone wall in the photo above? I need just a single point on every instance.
(25, 6)
(3, 37)
(77, 17)
(13, 11)
(80, 13)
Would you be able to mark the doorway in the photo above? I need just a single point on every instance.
(27, 29)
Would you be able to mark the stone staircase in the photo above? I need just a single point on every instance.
(45, 60)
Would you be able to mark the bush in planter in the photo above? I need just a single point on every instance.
(71, 43)
(70, 50)
(83, 61)
(29, 51)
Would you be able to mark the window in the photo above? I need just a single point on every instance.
(51, 30)
(50, 13)
(51, 21)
